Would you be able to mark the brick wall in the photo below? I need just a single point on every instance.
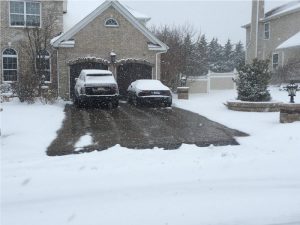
(97, 40)
(13, 36)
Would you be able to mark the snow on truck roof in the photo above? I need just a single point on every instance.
(96, 72)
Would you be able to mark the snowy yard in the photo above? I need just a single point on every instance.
(255, 183)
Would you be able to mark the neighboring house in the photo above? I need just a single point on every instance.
(274, 35)
(110, 36)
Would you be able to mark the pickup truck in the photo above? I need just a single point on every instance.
(96, 86)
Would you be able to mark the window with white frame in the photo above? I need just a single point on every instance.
(275, 60)
(43, 65)
(10, 65)
(111, 22)
(25, 13)
(267, 31)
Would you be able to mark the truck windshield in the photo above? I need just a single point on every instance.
(99, 75)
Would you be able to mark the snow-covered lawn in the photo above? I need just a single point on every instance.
(256, 183)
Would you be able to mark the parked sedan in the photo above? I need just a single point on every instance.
(149, 91)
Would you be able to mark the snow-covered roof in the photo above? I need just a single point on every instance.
(291, 42)
(287, 8)
(79, 9)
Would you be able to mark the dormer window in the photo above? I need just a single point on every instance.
(111, 22)
(25, 14)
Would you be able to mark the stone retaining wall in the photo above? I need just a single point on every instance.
(253, 106)
(289, 113)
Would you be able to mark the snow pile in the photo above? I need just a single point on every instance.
(84, 141)
(256, 183)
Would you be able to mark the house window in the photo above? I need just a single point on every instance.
(25, 14)
(267, 31)
(10, 65)
(111, 23)
(275, 61)
(43, 65)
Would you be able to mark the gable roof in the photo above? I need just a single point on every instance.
(293, 41)
(76, 10)
(98, 11)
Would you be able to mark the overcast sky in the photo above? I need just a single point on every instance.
(222, 19)
(215, 18)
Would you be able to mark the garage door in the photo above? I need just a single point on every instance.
(130, 72)
(76, 69)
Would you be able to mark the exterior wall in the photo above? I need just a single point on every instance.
(11, 37)
(97, 40)
(281, 29)
(289, 54)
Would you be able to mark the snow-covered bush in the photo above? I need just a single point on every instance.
(253, 80)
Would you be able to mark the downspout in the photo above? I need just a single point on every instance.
(256, 35)
(57, 72)
(156, 62)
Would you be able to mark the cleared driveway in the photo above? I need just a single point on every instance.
(138, 128)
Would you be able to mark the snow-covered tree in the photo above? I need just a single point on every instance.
(228, 63)
(201, 55)
(239, 55)
(215, 55)
(253, 80)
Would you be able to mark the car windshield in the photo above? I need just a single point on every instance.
(99, 75)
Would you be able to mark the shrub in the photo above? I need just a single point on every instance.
(253, 80)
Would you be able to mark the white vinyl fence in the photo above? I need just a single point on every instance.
(212, 81)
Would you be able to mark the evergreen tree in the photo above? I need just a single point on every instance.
(253, 80)
(239, 55)
(215, 55)
(201, 55)
(188, 54)
(228, 57)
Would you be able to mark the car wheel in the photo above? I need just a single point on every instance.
(168, 104)
(77, 102)
(135, 101)
(116, 104)
(129, 99)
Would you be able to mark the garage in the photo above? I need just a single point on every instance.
(129, 72)
(75, 70)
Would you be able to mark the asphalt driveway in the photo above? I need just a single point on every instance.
(138, 128)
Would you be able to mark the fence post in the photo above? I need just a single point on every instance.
(234, 77)
(208, 81)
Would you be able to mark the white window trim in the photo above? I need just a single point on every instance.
(18, 26)
(111, 25)
(273, 60)
(50, 69)
(265, 31)
(10, 81)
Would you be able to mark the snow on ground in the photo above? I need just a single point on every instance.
(84, 141)
(256, 183)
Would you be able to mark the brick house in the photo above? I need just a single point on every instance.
(112, 36)
(275, 34)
